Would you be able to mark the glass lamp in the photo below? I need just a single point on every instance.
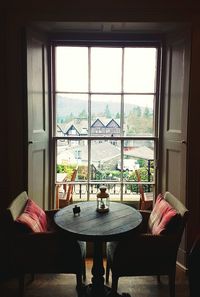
(103, 201)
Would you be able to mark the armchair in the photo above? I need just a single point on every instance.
(44, 251)
(154, 250)
(194, 268)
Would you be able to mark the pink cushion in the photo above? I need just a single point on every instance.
(161, 216)
(33, 217)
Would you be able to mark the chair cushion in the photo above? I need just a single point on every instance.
(33, 217)
(162, 217)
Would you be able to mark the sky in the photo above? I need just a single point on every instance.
(105, 70)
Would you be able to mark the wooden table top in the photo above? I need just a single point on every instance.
(91, 225)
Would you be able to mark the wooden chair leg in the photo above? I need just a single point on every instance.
(172, 277)
(114, 284)
(158, 278)
(21, 285)
(84, 271)
(32, 277)
(79, 283)
(107, 271)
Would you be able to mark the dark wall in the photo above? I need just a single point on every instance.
(12, 113)
(3, 115)
(193, 145)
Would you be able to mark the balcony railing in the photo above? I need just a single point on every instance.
(126, 192)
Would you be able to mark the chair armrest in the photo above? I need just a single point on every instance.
(34, 236)
(145, 214)
(147, 243)
(41, 240)
(159, 241)
(145, 218)
(50, 213)
(50, 219)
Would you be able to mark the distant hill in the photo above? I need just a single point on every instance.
(65, 106)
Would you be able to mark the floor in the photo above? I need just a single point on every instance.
(64, 285)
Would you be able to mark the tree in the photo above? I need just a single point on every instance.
(107, 112)
(83, 114)
(71, 116)
(117, 115)
(136, 111)
(147, 112)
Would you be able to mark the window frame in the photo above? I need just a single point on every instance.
(112, 40)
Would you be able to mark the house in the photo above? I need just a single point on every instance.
(102, 127)
(168, 19)
(103, 155)
(99, 127)
(73, 127)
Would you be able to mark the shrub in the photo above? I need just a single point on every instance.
(68, 169)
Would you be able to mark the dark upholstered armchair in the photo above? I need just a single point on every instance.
(154, 250)
(194, 268)
(49, 251)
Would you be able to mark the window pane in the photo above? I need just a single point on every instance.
(71, 115)
(71, 69)
(72, 154)
(139, 115)
(105, 110)
(139, 70)
(104, 158)
(91, 108)
(106, 64)
(138, 154)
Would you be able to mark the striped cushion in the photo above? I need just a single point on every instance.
(161, 216)
(33, 217)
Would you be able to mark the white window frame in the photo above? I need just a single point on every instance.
(122, 139)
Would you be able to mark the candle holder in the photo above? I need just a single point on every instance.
(103, 201)
(76, 210)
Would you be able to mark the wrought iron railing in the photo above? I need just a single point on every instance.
(117, 191)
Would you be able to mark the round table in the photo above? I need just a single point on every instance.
(90, 225)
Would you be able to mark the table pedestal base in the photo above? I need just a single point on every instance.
(88, 291)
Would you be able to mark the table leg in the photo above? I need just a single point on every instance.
(98, 268)
(97, 287)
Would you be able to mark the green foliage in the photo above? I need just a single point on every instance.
(112, 175)
(147, 112)
(107, 112)
(65, 119)
(142, 162)
(60, 168)
(83, 114)
(82, 172)
(144, 178)
(68, 169)
(139, 122)
(117, 116)
(107, 175)
(116, 174)
(136, 111)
